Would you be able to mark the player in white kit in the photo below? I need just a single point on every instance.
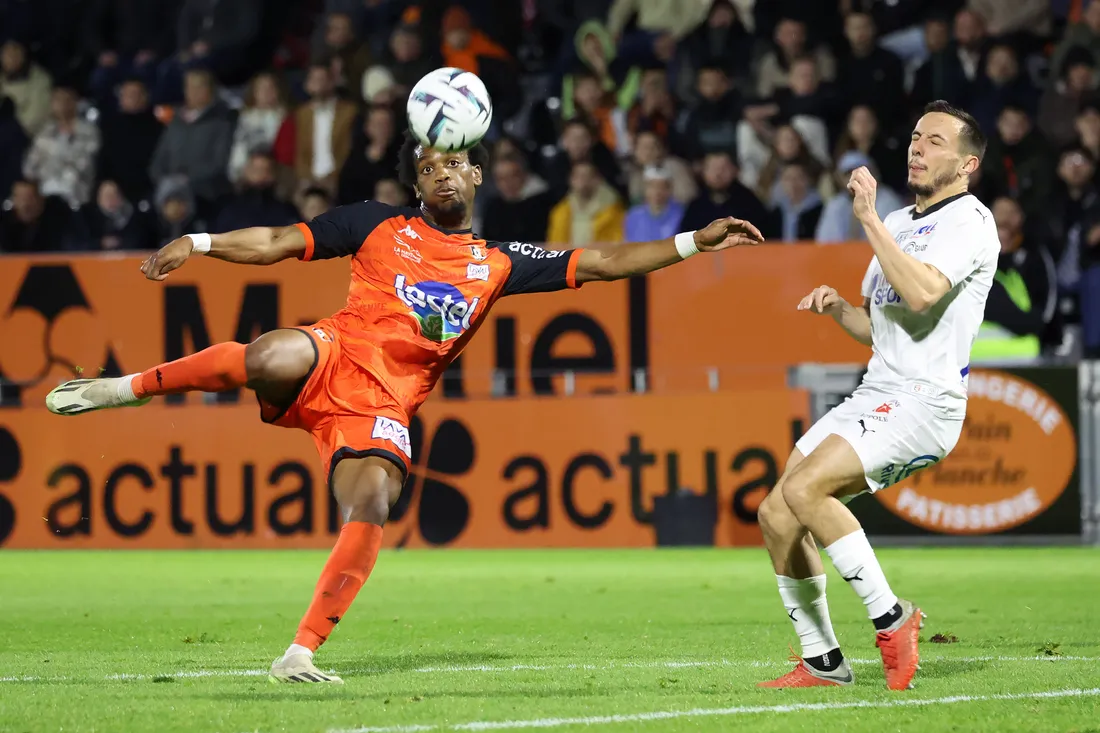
(923, 300)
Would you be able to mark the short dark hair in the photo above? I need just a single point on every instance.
(406, 160)
(973, 139)
(317, 191)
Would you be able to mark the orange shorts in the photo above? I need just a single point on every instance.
(344, 407)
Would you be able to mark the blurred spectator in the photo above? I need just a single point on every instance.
(464, 46)
(35, 223)
(1060, 103)
(390, 191)
(521, 209)
(591, 213)
(970, 42)
(176, 211)
(323, 130)
(373, 157)
(406, 58)
(197, 141)
(591, 104)
(650, 150)
(813, 106)
(130, 135)
(113, 222)
(798, 205)
(659, 24)
(1001, 84)
(1071, 213)
(577, 144)
(1021, 311)
(711, 124)
(838, 223)
(1084, 35)
(788, 147)
(27, 85)
(126, 38)
(13, 145)
(721, 42)
(596, 58)
(62, 157)
(256, 205)
(1018, 17)
(379, 86)
(790, 44)
(1087, 125)
(216, 35)
(315, 201)
(723, 195)
(658, 216)
(655, 110)
(1018, 161)
(869, 74)
(258, 123)
(944, 74)
(348, 57)
(863, 134)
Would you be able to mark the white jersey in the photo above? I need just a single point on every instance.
(928, 354)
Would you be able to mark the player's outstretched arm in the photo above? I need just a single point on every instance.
(613, 262)
(919, 284)
(856, 320)
(252, 246)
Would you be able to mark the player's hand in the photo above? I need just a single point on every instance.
(725, 233)
(169, 257)
(862, 186)
(823, 300)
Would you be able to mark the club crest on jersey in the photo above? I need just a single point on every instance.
(478, 253)
(926, 229)
(888, 405)
(440, 309)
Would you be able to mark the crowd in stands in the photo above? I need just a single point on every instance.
(126, 123)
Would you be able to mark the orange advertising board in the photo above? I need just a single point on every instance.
(733, 312)
(486, 473)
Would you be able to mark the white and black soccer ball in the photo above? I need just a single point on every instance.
(449, 110)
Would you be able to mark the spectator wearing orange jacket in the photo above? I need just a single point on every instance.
(465, 47)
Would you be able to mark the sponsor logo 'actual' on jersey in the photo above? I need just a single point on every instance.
(535, 252)
(439, 308)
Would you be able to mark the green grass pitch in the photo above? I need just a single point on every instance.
(562, 640)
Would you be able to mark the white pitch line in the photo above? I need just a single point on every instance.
(716, 712)
(490, 669)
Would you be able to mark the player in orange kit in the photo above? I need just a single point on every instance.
(421, 284)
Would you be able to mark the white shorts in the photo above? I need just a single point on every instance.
(893, 433)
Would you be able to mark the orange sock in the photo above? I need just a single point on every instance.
(215, 369)
(348, 567)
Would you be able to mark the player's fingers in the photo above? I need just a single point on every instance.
(806, 302)
(749, 228)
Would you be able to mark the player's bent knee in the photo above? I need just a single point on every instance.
(279, 356)
(366, 488)
(798, 493)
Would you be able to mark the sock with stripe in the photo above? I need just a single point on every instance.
(804, 600)
(214, 369)
(856, 562)
(347, 568)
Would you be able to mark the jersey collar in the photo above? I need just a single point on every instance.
(937, 206)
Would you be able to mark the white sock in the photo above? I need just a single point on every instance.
(809, 611)
(126, 388)
(856, 562)
(298, 649)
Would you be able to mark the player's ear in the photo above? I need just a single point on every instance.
(416, 190)
(477, 175)
(970, 165)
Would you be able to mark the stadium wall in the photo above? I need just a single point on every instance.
(654, 411)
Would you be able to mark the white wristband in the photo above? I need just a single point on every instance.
(685, 244)
(200, 243)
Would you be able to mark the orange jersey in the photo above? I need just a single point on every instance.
(419, 292)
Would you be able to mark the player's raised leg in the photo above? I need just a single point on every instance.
(812, 492)
(274, 365)
(365, 489)
(801, 580)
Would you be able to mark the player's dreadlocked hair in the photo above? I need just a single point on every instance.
(406, 160)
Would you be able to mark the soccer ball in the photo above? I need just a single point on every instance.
(449, 110)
